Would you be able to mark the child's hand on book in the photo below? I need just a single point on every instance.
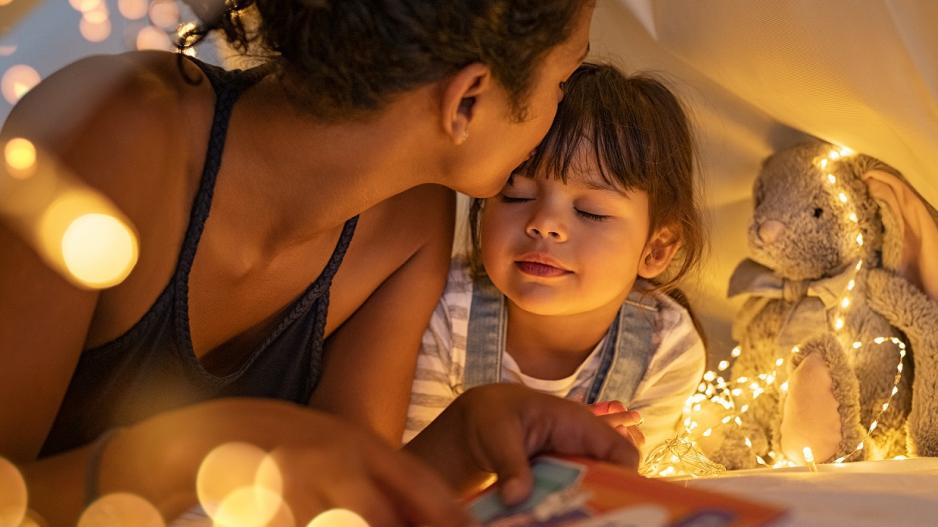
(497, 428)
(622, 419)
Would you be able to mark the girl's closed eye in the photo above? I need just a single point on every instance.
(591, 216)
(512, 199)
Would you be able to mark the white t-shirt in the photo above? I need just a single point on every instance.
(673, 372)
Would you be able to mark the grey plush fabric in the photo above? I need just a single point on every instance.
(813, 238)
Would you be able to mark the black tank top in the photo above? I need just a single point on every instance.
(152, 367)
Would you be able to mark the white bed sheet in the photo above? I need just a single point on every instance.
(893, 493)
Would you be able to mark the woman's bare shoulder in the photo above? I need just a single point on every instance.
(122, 124)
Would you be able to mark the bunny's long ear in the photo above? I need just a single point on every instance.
(910, 241)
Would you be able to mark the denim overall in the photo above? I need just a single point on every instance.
(624, 357)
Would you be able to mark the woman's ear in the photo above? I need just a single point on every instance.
(459, 94)
(658, 253)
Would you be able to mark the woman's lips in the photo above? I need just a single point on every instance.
(540, 269)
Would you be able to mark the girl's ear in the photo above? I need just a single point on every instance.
(658, 253)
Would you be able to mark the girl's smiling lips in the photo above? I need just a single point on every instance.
(541, 265)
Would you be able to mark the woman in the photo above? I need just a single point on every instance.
(294, 243)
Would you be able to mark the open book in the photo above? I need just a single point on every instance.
(583, 493)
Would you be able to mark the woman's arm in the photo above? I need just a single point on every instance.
(370, 359)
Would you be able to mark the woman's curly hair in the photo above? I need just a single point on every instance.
(347, 58)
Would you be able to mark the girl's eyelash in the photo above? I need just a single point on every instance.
(590, 216)
(509, 199)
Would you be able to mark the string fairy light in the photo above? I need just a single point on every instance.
(683, 456)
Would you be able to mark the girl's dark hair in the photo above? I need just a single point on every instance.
(641, 139)
(345, 59)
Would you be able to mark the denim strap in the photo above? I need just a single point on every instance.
(486, 340)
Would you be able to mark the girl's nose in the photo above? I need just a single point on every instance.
(543, 227)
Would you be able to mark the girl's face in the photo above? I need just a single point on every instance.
(497, 144)
(561, 249)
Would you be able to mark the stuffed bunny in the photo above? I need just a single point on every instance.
(833, 324)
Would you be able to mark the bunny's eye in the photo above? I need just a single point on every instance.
(818, 212)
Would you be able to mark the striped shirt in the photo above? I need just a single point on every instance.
(673, 372)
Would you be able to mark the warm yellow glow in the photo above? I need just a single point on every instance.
(860, 239)
(13, 497)
(99, 250)
(239, 485)
(5, 2)
(343, 518)
(95, 31)
(20, 157)
(842, 197)
(723, 365)
(839, 324)
(824, 163)
(845, 303)
(120, 510)
(834, 155)
(846, 152)
(252, 506)
(808, 454)
(152, 37)
(133, 9)
(831, 179)
(853, 217)
(737, 351)
(17, 81)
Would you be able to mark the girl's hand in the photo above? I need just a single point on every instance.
(625, 421)
(497, 428)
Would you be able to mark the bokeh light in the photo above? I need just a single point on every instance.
(151, 37)
(240, 485)
(18, 80)
(12, 494)
(95, 31)
(164, 14)
(99, 250)
(120, 510)
(133, 9)
(83, 6)
(338, 518)
(20, 157)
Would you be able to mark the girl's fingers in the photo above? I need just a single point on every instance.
(626, 418)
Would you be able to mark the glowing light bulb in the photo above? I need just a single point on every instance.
(99, 250)
(20, 157)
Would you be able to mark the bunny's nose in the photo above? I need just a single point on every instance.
(770, 230)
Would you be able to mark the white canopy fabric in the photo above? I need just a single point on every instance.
(760, 76)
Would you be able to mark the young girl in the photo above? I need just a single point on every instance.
(564, 291)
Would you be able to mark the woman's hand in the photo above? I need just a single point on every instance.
(625, 421)
(323, 461)
(497, 428)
